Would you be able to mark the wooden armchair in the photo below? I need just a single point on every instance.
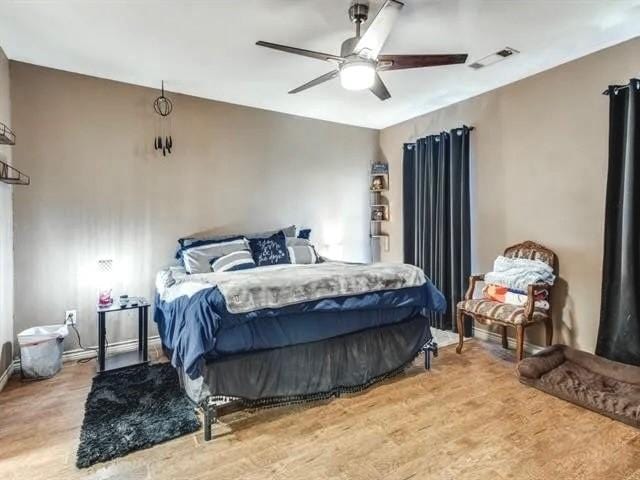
(490, 312)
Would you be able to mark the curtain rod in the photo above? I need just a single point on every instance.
(420, 136)
(617, 88)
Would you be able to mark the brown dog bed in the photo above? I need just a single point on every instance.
(606, 387)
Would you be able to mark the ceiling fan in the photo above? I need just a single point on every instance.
(360, 61)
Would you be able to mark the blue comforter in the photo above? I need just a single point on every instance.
(200, 327)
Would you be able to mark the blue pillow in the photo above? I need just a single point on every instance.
(201, 243)
(305, 233)
(270, 250)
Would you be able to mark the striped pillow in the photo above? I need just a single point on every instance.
(197, 258)
(303, 254)
(240, 260)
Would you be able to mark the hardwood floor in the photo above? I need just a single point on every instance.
(469, 418)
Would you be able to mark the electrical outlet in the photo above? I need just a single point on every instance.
(70, 317)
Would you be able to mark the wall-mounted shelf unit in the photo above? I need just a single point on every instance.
(379, 207)
(13, 176)
(7, 137)
(9, 174)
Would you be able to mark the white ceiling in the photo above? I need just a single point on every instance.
(206, 48)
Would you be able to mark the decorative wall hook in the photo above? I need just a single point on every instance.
(163, 107)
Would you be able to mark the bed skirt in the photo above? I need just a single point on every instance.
(346, 363)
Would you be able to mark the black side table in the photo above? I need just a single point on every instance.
(127, 359)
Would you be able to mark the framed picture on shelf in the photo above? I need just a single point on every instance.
(378, 183)
(379, 213)
(379, 169)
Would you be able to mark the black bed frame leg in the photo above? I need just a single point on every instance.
(209, 419)
(431, 347)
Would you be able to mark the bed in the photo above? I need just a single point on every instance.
(285, 334)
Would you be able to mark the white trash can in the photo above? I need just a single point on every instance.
(41, 350)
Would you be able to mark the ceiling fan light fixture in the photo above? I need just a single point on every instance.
(357, 75)
(360, 60)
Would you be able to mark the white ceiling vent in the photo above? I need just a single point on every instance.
(496, 57)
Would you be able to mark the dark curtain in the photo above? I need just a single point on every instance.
(619, 332)
(436, 215)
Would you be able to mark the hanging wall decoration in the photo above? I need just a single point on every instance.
(163, 107)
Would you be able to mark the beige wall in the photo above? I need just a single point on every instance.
(6, 230)
(100, 191)
(539, 163)
(539, 156)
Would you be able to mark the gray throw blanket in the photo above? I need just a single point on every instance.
(278, 286)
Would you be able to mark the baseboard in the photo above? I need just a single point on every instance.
(130, 345)
(496, 337)
(80, 354)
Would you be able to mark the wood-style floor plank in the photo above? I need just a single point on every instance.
(469, 418)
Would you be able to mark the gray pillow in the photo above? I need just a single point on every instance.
(303, 254)
(289, 231)
(298, 242)
(197, 259)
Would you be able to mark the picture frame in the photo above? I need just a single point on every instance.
(379, 213)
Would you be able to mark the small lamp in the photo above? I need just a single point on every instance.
(105, 283)
(332, 244)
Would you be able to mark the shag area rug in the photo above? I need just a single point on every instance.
(132, 409)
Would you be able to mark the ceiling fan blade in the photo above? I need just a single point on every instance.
(379, 89)
(402, 62)
(300, 51)
(373, 39)
(316, 81)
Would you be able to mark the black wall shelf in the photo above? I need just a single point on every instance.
(12, 176)
(7, 137)
(8, 174)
